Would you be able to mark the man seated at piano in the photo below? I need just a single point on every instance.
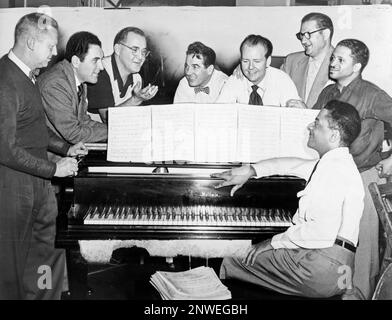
(258, 83)
(202, 82)
(315, 256)
(120, 83)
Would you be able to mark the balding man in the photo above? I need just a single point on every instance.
(30, 267)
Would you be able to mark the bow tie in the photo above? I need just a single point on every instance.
(206, 90)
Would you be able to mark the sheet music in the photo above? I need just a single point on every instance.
(215, 132)
(129, 134)
(294, 133)
(208, 133)
(173, 132)
(258, 132)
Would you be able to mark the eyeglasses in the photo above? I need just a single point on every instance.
(135, 50)
(300, 35)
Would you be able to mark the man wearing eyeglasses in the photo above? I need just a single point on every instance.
(120, 84)
(63, 90)
(309, 68)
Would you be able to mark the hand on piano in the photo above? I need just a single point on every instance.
(236, 177)
(255, 250)
(294, 103)
(78, 149)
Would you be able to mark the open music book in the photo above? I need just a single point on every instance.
(208, 133)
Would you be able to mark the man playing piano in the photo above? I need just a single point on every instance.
(315, 256)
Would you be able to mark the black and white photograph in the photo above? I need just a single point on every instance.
(215, 153)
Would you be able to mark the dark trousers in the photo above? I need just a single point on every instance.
(30, 266)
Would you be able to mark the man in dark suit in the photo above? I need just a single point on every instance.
(30, 266)
(309, 68)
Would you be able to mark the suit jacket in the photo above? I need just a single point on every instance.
(296, 66)
(66, 116)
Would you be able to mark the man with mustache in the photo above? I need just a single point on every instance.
(30, 266)
(309, 68)
(314, 256)
(260, 84)
(64, 92)
(202, 82)
(374, 105)
(120, 83)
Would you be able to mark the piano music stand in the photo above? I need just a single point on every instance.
(381, 193)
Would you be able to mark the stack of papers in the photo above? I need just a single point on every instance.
(200, 283)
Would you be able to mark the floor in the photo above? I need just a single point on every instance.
(127, 276)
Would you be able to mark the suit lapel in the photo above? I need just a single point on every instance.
(302, 71)
(321, 79)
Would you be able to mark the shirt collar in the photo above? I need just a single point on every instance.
(22, 66)
(78, 83)
(351, 85)
(117, 77)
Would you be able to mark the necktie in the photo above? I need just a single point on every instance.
(32, 76)
(254, 97)
(206, 90)
(314, 169)
(80, 92)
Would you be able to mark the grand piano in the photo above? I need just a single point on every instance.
(108, 200)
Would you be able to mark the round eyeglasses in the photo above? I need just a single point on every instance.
(135, 50)
(307, 35)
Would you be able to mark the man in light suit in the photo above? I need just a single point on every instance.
(309, 68)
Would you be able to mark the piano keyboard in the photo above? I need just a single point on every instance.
(187, 216)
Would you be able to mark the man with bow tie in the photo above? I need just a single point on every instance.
(259, 83)
(202, 82)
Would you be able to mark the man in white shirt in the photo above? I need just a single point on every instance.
(120, 83)
(259, 84)
(315, 256)
(202, 83)
(309, 68)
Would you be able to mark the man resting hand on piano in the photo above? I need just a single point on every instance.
(315, 256)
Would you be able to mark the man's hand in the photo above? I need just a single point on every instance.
(384, 167)
(78, 149)
(293, 103)
(140, 95)
(66, 167)
(237, 73)
(255, 250)
(235, 177)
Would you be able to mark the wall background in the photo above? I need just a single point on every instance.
(171, 29)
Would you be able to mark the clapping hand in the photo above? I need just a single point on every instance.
(147, 93)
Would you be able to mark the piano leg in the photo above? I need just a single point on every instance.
(77, 274)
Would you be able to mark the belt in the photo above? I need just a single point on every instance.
(345, 244)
